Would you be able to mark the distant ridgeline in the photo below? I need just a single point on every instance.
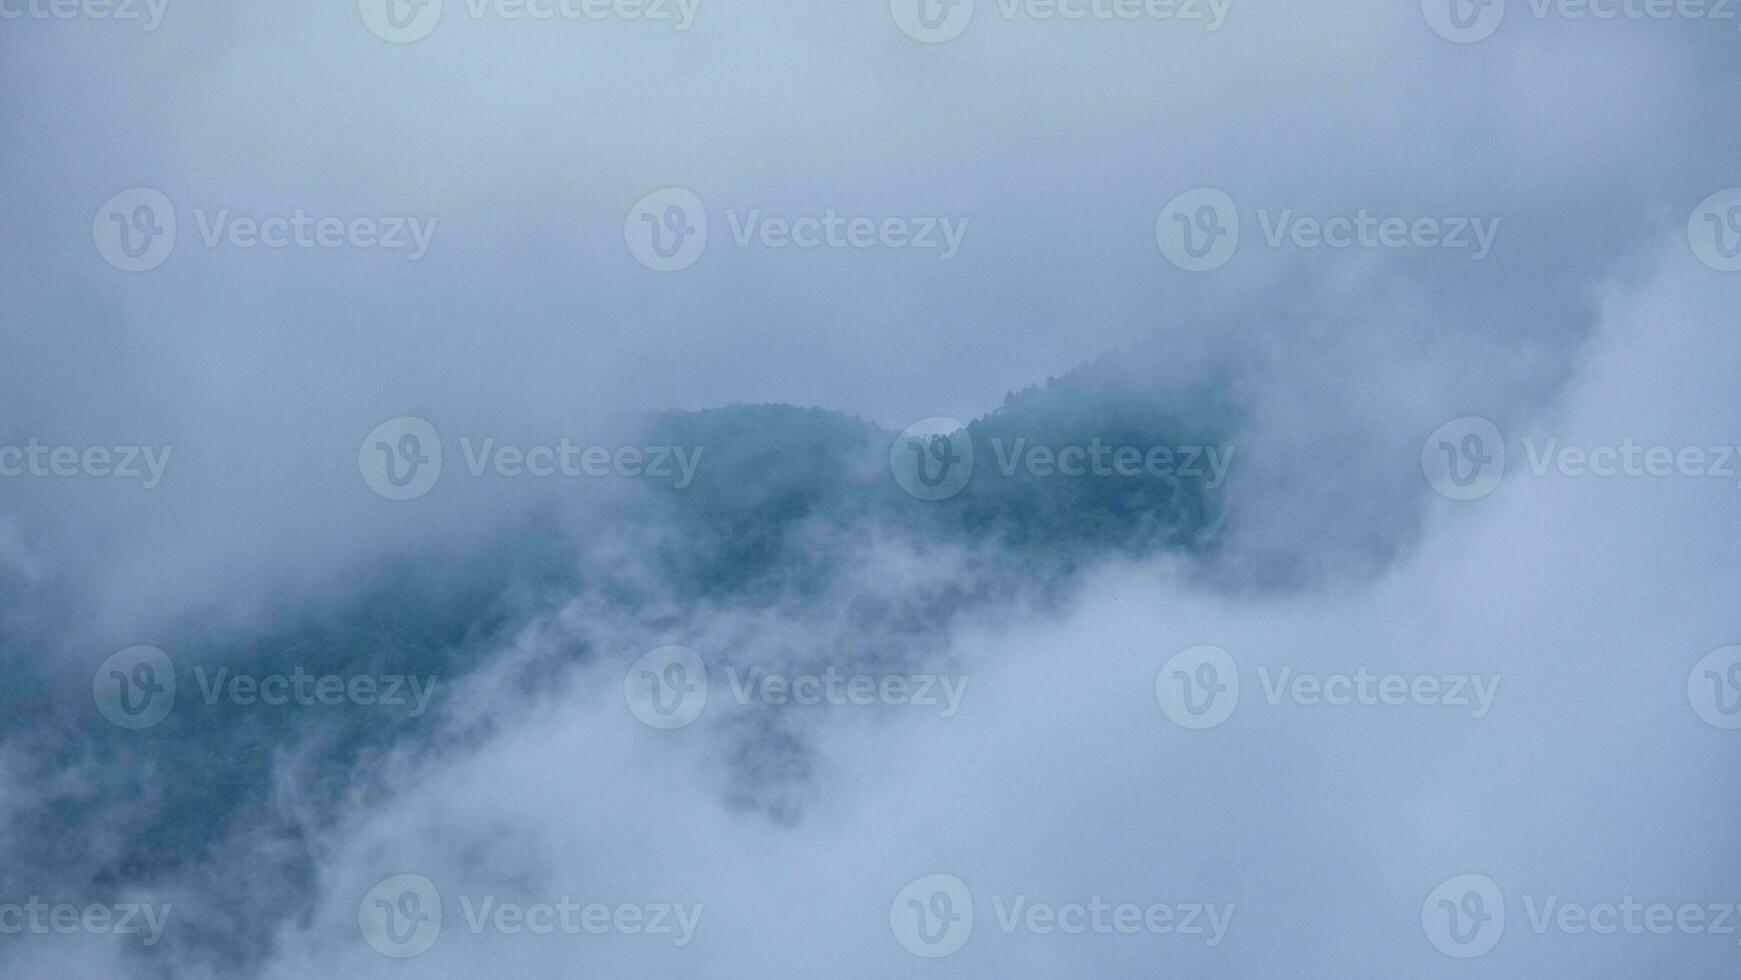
(1081, 466)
